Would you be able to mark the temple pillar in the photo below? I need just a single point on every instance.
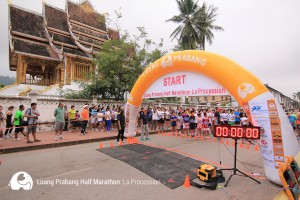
(62, 80)
(21, 70)
(60, 74)
(68, 70)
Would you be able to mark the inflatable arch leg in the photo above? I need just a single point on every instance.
(277, 139)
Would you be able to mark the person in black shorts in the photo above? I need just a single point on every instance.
(192, 123)
(173, 122)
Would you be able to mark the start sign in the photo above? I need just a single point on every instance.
(237, 132)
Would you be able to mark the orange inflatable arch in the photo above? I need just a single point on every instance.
(249, 92)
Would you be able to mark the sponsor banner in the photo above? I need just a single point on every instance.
(184, 84)
(259, 113)
(263, 112)
(276, 132)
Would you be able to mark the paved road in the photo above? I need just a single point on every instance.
(84, 162)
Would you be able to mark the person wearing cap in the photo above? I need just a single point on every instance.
(85, 119)
(59, 114)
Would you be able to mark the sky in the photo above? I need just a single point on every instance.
(262, 36)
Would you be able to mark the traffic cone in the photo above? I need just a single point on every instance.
(208, 139)
(158, 132)
(215, 140)
(100, 145)
(111, 144)
(233, 143)
(121, 143)
(201, 138)
(190, 136)
(241, 145)
(169, 134)
(248, 145)
(227, 142)
(221, 141)
(195, 137)
(187, 183)
(256, 148)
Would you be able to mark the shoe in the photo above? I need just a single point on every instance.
(61, 137)
(17, 139)
(142, 139)
(97, 130)
(147, 138)
(124, 142)
(118, 142)
(56, 137)
(93, 129)
(10, 136)
(37, 140)
(29, 141)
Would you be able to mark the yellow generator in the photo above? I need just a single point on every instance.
(207, 172)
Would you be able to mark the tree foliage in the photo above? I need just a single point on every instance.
(196, 25)
(119, 64)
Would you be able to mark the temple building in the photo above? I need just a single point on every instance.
(57, 46)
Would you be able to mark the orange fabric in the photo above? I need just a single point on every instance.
(85, 114)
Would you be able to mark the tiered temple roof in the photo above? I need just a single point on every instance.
(78, 31)
(27, 36)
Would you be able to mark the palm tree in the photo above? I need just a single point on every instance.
(206, 24)
(196, 24)
(187, 30)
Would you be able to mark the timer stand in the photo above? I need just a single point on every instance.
(234, 169)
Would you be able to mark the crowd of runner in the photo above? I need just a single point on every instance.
(186, 121)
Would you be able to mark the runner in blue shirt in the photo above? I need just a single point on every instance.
(173, 122)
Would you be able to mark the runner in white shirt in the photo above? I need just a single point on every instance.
(100, 121)
(155, 119)
(168, 119)
(225, 117)
(231, 117)
(161, 119)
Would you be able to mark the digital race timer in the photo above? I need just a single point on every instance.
(237, 132)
